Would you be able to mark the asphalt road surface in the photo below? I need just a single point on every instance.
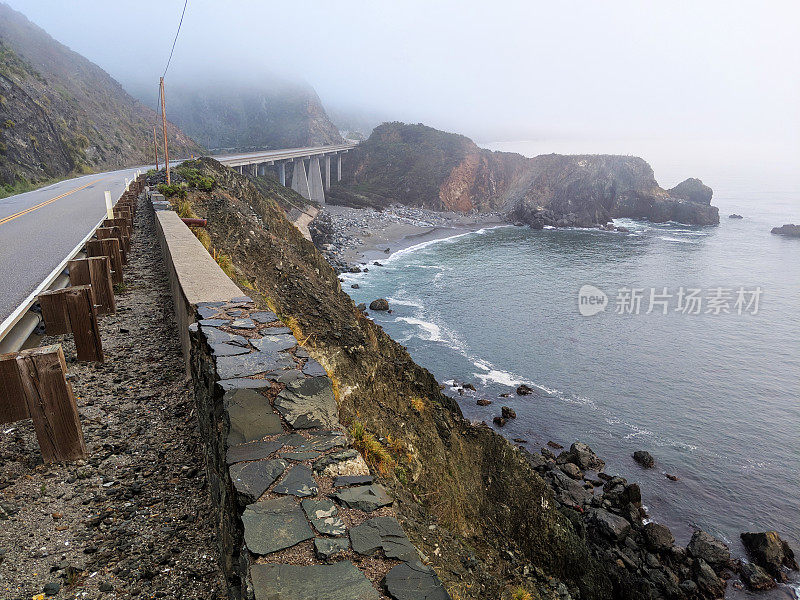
(38, 229)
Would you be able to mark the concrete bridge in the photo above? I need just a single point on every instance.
(310, 181)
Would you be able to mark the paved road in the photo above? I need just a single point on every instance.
(234, 160)
(39, 228)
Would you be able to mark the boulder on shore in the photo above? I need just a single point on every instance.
(583, 456)
(658, 537)
(524, 390)
(771, 552)
(705, 546)
(755, 577)
(379, 304)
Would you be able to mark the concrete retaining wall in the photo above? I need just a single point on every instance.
(299, 516)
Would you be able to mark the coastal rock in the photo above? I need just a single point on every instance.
(657, 537)
(500, 421)
(583, 456)
(508, 412)
(644, 458)
(483, 402)
(788, 230)
(771, 552)
(610, 525)
(708, 548)
(379, 304)
(572, 470)
(707, 579)
(755, 577)
(524, 390)
(735, 216)
(693, 190)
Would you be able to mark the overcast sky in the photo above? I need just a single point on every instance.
(499, 70)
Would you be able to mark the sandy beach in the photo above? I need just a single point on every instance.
(353, 236)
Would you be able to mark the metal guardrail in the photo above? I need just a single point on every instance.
(22, 322)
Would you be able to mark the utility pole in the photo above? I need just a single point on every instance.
(164, 124)
(155, 145)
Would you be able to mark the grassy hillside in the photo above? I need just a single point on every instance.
(61, 114)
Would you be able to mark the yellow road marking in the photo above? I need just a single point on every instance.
(46, 202)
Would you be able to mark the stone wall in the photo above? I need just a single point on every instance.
(299, 516)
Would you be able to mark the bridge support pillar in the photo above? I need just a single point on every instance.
(299, 179)
(262, 168)
(282, 173)
(338, 167)
(327, 173)
(316, 191)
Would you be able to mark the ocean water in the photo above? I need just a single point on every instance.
(714, 396)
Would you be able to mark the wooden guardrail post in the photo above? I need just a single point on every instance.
(54, 312)
(50, 403)
(95, 271)
(110, 248)
(121, 223)
(12, 395)
(83, 320)
(106, 233)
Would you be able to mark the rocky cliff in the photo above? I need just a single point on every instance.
(421, 166)
(488, 516)
(60, 113)
(267, 115)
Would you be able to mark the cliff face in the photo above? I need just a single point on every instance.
(267, 116)
(60, 112)
(420, 166)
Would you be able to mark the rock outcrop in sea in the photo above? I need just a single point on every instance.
(788, 230)
(421, 166)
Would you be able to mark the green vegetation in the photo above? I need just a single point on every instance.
(521, 594)
(371, 449)
(225, 263)
(176, 189)
(195, 179)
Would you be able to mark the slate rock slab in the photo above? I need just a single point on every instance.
(243, 324)
(339, 581)
(327, 548)
(251, 479)
(326, 442)
(275, 343)
(295, 440)
(314, 369)
(301, 353)
(251, 417)
(243, 383)
(287, 376)
(251, 451)
(302, 455)
(254, 363)
(334, 458)
(365, 497)
(348, 480)
(208, 310)
(297, 482)
(228, 350)
(217, 336)
(276, 330)
(323, 516)
(273, 525)
(213, 322)
(415, 581)
(308, 403)
(385, 533)
(264, 316)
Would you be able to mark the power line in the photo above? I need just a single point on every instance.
(176, 38)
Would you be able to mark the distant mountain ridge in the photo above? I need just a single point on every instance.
(265, 116)
(422, 166)
(60, 113)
